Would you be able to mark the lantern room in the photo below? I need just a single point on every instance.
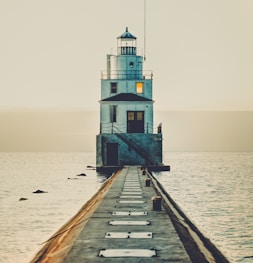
(126, 44)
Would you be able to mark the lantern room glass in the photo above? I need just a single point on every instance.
(126, 46)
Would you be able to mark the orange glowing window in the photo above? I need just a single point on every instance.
(139, 87)
(130, 115)
(139, 115)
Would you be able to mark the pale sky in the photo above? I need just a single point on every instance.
(200, 51)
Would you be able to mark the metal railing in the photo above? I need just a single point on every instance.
(126, 74)
(133, 145)
(114, 127)
(136, 51)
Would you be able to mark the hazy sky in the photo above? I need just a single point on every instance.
(200, 51)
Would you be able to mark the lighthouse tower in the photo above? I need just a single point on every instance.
(126, 110)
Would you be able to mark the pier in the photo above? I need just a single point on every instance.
(130, 219)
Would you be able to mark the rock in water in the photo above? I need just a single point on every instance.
(39, 191)
(22, 199)
(82, 174)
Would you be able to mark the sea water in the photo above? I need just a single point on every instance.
(26, 225)
(214, 189)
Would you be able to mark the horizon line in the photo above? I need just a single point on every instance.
(60, 108)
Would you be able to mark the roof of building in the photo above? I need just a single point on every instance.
(126, 97)
(127, 34)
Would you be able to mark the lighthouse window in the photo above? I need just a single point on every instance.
(139, 115)
(139, 87)
(131, 64)
(114, 87)
(113, 113)
(130, 115)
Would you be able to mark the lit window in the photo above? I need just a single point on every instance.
(130, 115)
(114, 87)
(139, 115)
(139, 87)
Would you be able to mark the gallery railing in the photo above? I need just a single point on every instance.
(127, 74)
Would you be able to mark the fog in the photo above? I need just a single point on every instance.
(47, 130)
(207, 131)
(75, 130)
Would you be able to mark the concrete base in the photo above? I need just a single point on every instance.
(131, 149)
(155, 232)
(120, 206)
(151, 168)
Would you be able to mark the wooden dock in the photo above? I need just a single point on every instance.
(130, 219)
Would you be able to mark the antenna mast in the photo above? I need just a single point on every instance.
(144, 30)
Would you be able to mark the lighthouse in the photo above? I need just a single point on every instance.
(127, 134)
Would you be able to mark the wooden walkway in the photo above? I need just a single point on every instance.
(126, 228)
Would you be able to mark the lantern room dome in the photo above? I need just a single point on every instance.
(127, 34)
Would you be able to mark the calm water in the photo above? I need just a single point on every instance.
(25, 225)
(214, 189)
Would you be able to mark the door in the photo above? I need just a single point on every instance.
(135, 121)
(112, 154)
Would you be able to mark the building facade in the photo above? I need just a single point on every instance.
(127, 134)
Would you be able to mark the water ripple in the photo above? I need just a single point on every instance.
(216, 192)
